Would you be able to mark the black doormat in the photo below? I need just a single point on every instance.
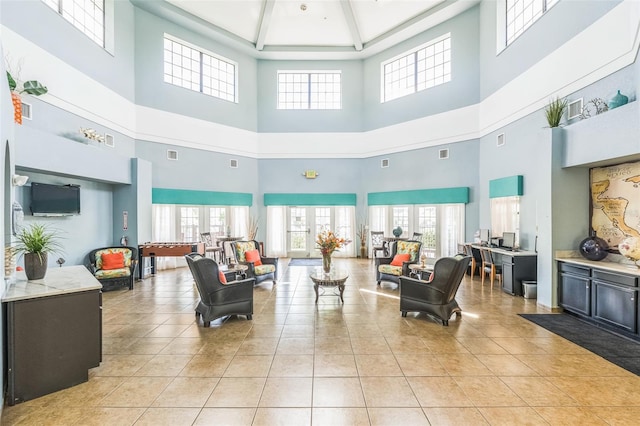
(619, 350)
(313, 261)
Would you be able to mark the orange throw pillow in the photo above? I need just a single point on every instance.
(222, 277)
(399, 259)
(253, 256)
(112, 260)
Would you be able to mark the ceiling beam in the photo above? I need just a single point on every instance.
(265, 20)
(351, 23)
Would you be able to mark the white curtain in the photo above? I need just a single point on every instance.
(276, 244)
(377, 222)
(238, 221)
(451, 228)
(163, 220)
(345, 218)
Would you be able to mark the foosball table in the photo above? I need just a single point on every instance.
(171, 249)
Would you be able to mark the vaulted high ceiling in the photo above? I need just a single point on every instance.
(309, 29)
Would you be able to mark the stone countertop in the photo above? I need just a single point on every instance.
(617, 267)
(506, 252)
(57, 281)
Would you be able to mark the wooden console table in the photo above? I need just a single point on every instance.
(53, 332)
(175, 249)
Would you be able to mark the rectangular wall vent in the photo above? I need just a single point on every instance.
(384, 163)
(233, 164)
(443, 154)
(172, 154)
(26, 111)
(501, 140)
(574, 109)
(109, 141)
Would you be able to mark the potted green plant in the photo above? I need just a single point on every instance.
(554, 111)
(32, 87)
(36, 241)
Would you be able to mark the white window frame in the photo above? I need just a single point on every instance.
(431, 57)
(449, 229)
(505, 216)
(304, 89)
(502, 20)
(173, 72)
(103, 35)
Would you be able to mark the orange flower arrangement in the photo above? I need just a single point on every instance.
(329, 242)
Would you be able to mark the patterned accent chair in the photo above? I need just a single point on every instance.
(113, 278)
(385, 271)
(436, 297)
(216, 298)
(267, 270)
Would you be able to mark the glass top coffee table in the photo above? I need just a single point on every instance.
(336, 278)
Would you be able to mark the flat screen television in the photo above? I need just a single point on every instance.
(508, 240)
(484, 236)
(54, 200)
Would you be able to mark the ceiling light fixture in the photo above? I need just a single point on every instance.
(303, 7)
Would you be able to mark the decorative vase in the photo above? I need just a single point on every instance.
(363, 251)
(35, 267)
(594, 248)
(618, 100)
(397, 232)
(326, 262)
(17, 107)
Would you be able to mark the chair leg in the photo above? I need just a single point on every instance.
(404, 313)
(197, 315)
(458, 314)
(207, 323)
(249, 317)
(493, 274)
(473, 268)
(484, 273)
(445, 323)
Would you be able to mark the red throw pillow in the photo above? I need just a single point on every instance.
(112, 260)
(223, 277)
(253, 256)
(399, 259)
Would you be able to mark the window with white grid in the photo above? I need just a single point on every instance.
(192, 68)
(428, 227)
(521, 14)
(190, 224)
(86, 15)
(217, 220)
(427, 66)
(309, 90)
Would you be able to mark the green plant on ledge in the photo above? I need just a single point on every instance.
(36, 241)
(555, 110)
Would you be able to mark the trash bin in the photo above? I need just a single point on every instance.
(530, 289)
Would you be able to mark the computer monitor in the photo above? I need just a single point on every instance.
(508, 240)
(484, 236)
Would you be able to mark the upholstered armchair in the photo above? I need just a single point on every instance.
(218, 298)
(261, 268)
(114, 267)
(436, 297)
(402, 254)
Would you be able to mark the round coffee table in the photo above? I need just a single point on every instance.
(335, 278)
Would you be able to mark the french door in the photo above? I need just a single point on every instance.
(304, 224)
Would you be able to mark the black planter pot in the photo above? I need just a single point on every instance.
(34, 267)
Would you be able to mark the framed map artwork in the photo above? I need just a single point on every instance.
(615, 202)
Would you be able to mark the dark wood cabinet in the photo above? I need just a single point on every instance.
(575, 289)
(515, 269)
(605, 297)
(615, 300)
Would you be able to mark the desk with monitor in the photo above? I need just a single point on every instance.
(517, 266)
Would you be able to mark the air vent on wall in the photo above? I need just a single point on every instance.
(443, 154)
(26, 111)
(172, 154)
(574, 109)
(109, 141)
(384, 163)
(233, 164)
(500, 140)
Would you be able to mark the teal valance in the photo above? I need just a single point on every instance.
(420, 196)
(201, 198)
(309, 199)
(506, 187)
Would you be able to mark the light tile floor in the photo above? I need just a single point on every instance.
(361, 363)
